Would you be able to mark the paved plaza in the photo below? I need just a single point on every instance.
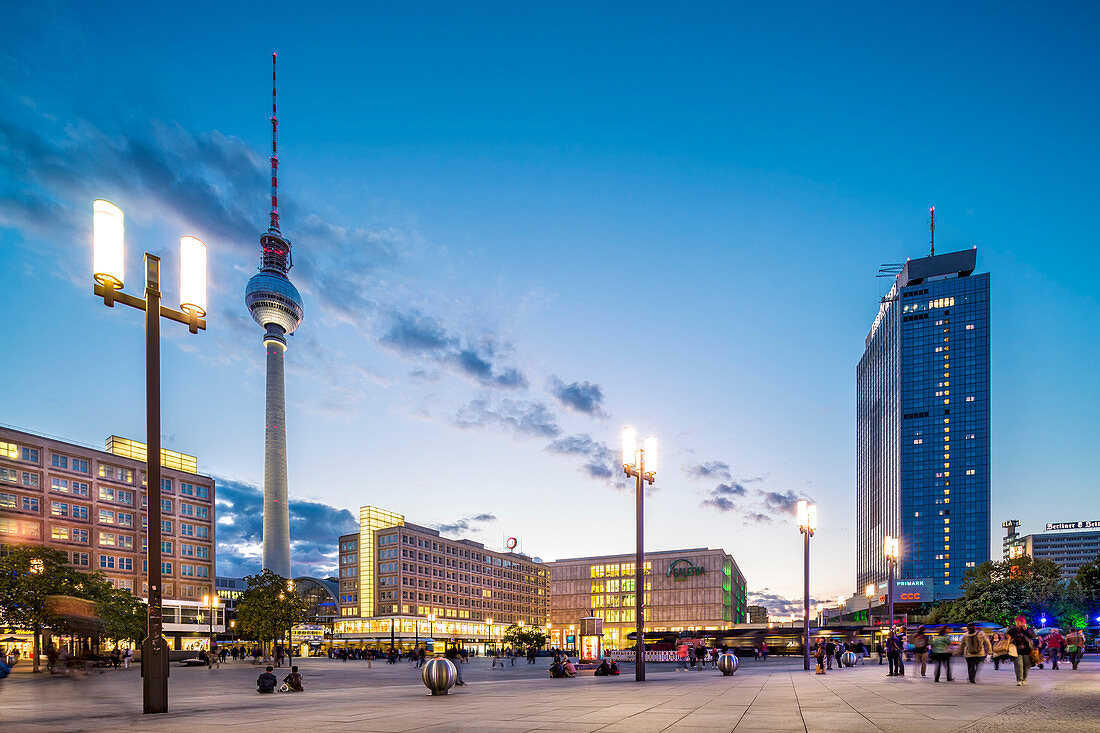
(776, 695)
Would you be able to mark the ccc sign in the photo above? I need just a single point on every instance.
(909, 596)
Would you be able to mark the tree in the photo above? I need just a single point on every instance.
(269, 607)
(522, 637)
(1000, 591)
(123, 617)
(29, 577)
(1087, 584)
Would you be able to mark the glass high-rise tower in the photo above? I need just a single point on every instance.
(922, 426)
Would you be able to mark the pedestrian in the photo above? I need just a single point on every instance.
(975, 645)
(1000, 644)
(127, 657)
(840, 649)
(1023, 643)
(691, 655)
(920, 649)
(764, 651)
(1075, 646)
(820, 653)
(941, 652)
(893, 654)
(453, 655)
(266, 682)
(682, 655)
(830, 651)
(880, 650)
(1055, 642)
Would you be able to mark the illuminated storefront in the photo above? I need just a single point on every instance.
(695, 589)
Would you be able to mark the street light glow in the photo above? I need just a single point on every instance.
(630, 446)
(891, 547)
(108, 251)
(870, 589)
(651, 453)
(193, 276)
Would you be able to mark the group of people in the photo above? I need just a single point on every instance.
(689, 655)
(562, 667)
(267, 681)
(1019, 643)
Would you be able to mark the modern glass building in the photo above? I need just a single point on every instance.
(922, 426)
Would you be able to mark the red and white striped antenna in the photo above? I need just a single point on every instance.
(274, 225)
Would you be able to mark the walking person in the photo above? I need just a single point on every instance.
(1023, 642)
(941, 653)
(764, 651)
(820, 653)
(1075, 646)
(456, 659)
(920, 649)
(893, 654)
(841, 647)
(975, 646)
(1055, 643)
(830, 652)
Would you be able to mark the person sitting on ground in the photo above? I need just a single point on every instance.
(614, 668)
(266, 682)
(603, 670)
(557, 670)
(294, 680)
(570, 668)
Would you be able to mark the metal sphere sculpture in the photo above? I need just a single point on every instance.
(848, 658)
(439, 675)
(728, 664)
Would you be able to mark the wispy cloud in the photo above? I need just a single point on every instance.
(598, 459)
(466, 524)
(520, 417)
(779, 605)
(585, 398)
(708, 470)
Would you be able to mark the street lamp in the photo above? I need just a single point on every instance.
(488, 634)
(108, 268)
(807, 524)
(431, 630)
(211, 602)
(634, 464)
(890, 547)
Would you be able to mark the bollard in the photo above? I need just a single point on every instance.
(439, 675)
(728, 664)
(848, 658)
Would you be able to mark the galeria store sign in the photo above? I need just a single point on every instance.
(682, 569)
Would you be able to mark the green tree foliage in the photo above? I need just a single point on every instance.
(269, 607)
(522, 637)
(123, 617)
(1001, 591)
(1088, 582)
(28, 577)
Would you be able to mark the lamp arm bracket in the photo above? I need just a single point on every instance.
(111, 295)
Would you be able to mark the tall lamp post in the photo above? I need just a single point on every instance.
(634, 464)
(431, 631)
(108, 268)
(488, 634)
(890, 546)
(211, 602)
(807, 523)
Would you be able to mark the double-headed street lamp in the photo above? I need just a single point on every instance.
(108, 269)
(635, 462)
(807, 524)
(891, 547)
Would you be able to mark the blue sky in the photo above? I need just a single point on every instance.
(519, 227)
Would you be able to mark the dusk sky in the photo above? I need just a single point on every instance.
(518, 227)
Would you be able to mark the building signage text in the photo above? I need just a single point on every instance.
(682, 569)
(1073, 525)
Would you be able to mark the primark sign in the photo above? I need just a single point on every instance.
(1073, 525)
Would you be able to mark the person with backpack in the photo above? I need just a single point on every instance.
(1075, 646)
(975, 646)
(941, 653)
(894, 648)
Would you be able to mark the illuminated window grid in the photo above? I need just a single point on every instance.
(136, 450)
(371, 518)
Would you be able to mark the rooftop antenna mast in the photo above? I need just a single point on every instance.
(932, 227)
(274, 225)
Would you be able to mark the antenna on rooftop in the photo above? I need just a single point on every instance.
(274, 225)
(932, 227)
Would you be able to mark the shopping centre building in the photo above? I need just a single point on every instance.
(90, 504)
(402, 583)
(686, 590)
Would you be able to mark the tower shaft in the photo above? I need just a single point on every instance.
(276, 547)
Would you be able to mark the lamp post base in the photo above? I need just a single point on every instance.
(154, 675)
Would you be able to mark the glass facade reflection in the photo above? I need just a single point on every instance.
(922, 411)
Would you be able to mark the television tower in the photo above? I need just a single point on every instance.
(276, 305)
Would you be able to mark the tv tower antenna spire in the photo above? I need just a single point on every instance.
(274, 225)
(932, 227)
